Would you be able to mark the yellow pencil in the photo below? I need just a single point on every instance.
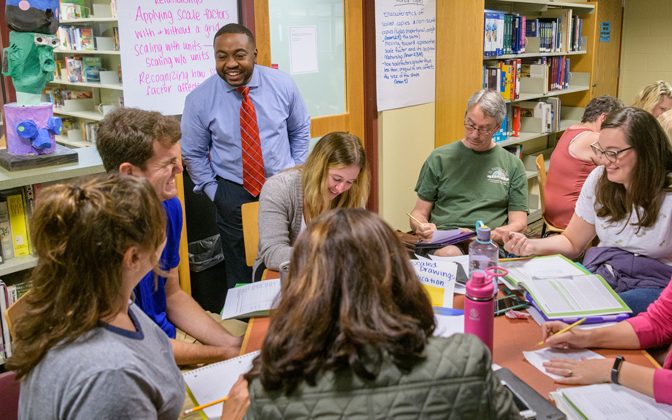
(567, 328)
(414, 219)
(201, 407)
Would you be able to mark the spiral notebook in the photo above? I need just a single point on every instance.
(214, 381)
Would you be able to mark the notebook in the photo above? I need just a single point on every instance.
(441, 238)
(214, 381)
(562, 289)
(608, 402)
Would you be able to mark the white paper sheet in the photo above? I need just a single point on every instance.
(303, 49)
(538, 357)
(448, 325)
(250, 299)
(552, 267)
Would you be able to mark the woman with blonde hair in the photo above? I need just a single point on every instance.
(335, 175)
(82, 349)
(665, 120)
(655, 98)
(352, 333)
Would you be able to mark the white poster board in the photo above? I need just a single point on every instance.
(166, 49)
(405, 52)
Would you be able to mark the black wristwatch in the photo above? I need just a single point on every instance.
(616, 369)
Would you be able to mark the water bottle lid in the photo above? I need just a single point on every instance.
(480, 285)
(483, 233)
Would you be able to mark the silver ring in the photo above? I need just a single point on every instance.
(571, 372)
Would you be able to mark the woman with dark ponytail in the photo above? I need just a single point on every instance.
(82, 349)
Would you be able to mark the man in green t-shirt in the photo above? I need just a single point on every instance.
(472, 179)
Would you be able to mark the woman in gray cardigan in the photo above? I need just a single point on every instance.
(334, 175)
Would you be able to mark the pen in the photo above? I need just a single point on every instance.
(414, 219)
(210, 404)
(567, 328)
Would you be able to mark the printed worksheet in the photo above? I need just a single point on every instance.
(538, 357)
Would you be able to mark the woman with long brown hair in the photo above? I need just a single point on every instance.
(353, 332)
(627, 204)
(82, 349)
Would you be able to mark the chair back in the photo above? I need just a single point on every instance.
(250, 216)
(541, 174)
(9, 396)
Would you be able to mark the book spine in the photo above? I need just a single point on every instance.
(5, 327)
(17, 222)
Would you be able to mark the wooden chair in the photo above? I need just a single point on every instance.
(250, 213)
(541, 173)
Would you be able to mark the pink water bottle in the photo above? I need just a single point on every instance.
(479, 307)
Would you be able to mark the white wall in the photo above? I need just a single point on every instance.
(645, 47)
(406, 138)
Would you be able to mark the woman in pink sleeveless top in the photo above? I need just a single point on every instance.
(572, 161)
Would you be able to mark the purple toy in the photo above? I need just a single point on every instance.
(31, 129)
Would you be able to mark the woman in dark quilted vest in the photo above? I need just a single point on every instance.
(352, 336)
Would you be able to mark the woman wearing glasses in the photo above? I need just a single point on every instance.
(573, 160)
(627, 204)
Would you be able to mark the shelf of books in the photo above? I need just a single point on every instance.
(17, 192)
(91, 52)
(529, 47)
(84, 21)
(87, 115)
(87, 81)
(87, 85)
(96, 85)
(89, 164)
(532, 54)
(536, 5)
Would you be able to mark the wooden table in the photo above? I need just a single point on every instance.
(511, 338)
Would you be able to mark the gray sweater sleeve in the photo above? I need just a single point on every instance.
(280, 216)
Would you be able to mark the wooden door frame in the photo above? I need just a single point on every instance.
(361, 116)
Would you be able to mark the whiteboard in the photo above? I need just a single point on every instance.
(166, 49)
(405, 52)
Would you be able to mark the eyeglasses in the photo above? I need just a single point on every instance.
(610, 155)
(483, 131)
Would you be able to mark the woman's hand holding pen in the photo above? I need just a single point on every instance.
(238, 401)
(518, 244)
(575, 338)
(575, 372)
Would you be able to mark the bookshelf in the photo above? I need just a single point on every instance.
(89, 163)
(88, 72)
(459, 24)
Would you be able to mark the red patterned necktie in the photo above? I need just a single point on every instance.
(253, 160)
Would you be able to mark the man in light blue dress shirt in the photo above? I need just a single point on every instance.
(211, 144)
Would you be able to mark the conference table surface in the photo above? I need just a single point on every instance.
(511, 338)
